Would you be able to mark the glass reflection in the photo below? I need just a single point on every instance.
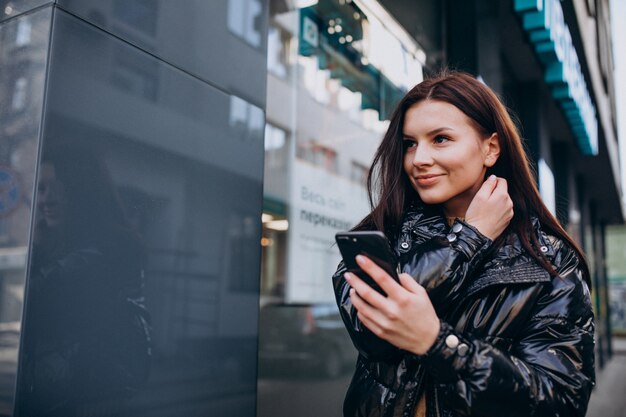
(23, 51)
(87, 334)
(221, 42)
(12, 8)
(162, 180)
(138, 14)
(244, 20)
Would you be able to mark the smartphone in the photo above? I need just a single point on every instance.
(375, 246)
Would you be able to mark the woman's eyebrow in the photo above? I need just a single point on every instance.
(432, 132)
(439, 130)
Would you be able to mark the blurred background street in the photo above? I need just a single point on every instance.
(609, 396)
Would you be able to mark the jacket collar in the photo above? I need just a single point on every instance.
(510, 264)
(422, 223)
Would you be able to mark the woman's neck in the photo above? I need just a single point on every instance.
(455, 209)
(453, 214)
(451, 220)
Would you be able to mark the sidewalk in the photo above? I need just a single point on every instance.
(609, 397)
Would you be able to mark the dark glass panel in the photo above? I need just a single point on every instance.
(143, 292)
(222, 42)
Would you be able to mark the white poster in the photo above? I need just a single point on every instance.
(322, 204)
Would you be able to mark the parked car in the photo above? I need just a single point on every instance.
(303, 340)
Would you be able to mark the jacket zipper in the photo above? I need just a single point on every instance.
(420, 382)
(436, 402)
(432, 402)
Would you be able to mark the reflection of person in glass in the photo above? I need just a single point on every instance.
(492, 315)
(86, 343)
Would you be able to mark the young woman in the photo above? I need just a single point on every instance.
(492, 314)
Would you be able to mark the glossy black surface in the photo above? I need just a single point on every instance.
(24, 43)
(143, 292)
(222, 42)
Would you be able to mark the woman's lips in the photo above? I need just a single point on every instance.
(426, 180)
(50, 211)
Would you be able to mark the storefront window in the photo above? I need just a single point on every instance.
(336, 69)
(278, 42)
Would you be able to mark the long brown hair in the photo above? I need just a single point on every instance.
(389, 189)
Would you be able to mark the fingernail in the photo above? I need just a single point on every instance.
(492, 177)
(347, 276)
(352, 291)
(360, 259)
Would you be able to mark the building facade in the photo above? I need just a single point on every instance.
(148, 147)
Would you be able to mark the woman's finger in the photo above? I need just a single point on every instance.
(487, 188)
(503, 185)
(370, 295)
(372, 326)
(382, 278)
(366, 312)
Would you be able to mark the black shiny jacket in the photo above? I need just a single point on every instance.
(514, 340)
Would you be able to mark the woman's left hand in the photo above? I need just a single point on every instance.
(405, 317)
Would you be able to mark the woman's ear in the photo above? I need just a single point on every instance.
(491, 148)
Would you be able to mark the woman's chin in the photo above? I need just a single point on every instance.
(52, 221)
(430, 199)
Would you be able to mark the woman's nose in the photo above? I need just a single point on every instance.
(422, 155)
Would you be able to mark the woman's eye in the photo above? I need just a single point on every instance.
(406, 144)
(440, 139)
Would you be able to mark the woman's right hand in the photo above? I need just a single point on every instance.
(491, 209)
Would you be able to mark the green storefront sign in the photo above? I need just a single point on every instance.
(544, 22)
(329, 31)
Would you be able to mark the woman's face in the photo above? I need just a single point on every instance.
(445, 157)
(51, 199)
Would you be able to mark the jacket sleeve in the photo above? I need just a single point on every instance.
(367, 343)
(444, 265)
(549, 370)
(441, 266)
(74, 268)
